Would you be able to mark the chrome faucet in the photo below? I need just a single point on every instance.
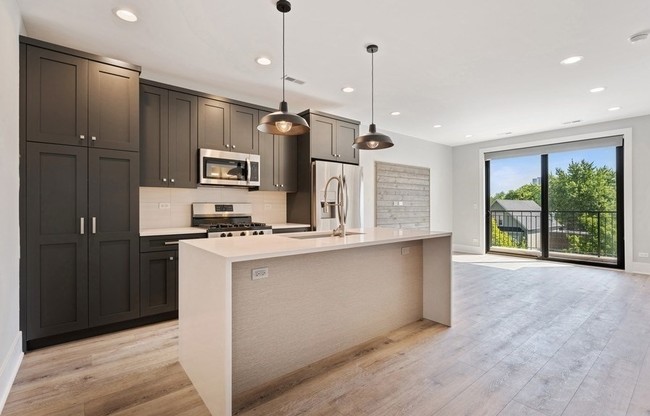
(340, 204)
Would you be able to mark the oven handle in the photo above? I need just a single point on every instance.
(248, 170)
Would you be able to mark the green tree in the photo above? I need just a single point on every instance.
(578, 197)
(503, 239)
(527, 192)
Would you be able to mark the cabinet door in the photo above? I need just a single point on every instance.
(113, 238)
(154, 136)
(345, 135)
(268, 179)
(322, 138)
(56, 98)
(286, 162)
(158, 282)
(214, 124)
(113, 107)
(183, 142)
(243, 129)
(56, 221)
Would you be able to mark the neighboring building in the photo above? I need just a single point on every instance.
(522, 220)
(537, 180)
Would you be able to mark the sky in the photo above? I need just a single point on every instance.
(507, 174)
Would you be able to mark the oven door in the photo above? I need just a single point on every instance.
(228, 168)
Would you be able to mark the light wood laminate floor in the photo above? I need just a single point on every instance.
(530, 338)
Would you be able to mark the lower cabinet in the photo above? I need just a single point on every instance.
(158, 282)
(159, 272)
(82, 256)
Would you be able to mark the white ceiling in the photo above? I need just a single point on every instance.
(474, 66)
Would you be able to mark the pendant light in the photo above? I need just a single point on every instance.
(283, 122)
(372, 140)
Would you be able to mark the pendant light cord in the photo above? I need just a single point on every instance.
(284, 75)
(372, 87)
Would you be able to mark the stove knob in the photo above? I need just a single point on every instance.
(229, 234)
(242, 233)
(222, 235)
(254, 232)
(261, 232)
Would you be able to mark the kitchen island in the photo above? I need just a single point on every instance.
(252, 310)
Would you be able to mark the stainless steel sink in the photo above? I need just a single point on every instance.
(327, 234)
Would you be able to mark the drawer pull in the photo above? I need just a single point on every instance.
(171, 243)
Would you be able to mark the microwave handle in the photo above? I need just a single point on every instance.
(248, 170)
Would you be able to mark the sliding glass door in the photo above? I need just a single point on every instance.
(560, 202)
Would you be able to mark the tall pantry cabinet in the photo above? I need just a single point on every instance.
(79, 190)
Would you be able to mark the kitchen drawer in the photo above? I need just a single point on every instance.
(165, 242)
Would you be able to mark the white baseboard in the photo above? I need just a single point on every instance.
(637, 267)
(9, 369)
(460, 248)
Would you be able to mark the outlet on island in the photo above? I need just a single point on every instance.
(260, 273)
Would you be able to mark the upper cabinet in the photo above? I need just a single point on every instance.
(168, 135)
(78, 101)
(214, 124)
(278, 162)
(331, 138)
(230, 127)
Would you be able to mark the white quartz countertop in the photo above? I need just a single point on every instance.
(289, 225)
(278, 245)
(171, 231)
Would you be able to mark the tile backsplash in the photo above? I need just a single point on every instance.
(172, 207)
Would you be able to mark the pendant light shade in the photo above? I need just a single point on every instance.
(283, 122)
(372, 140)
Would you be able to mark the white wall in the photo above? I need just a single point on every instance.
(10, 336)
(415, 152)
(468, 177)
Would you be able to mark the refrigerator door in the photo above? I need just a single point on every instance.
(322, 172)
(353, 177)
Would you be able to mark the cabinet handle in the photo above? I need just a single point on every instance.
(94, 225)
(82, 225)
(82, 137)
(171, 243)
(233, 146)
(93, 138)
(171, 259)
(164, 179)
(227, 146)
(171, 180)
(282, 186)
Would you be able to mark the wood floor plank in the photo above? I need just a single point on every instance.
(530, 338)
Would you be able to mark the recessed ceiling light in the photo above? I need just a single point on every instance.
(347, 89)
(467, 136)
(263, 60)
(506, 133)
(126, 15)
(638, 37)
(572, 122)
(395, 113)
(571, 60)
(437, 126)
(597, 89)
(614, 108)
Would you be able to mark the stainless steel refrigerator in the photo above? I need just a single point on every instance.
(353, 178)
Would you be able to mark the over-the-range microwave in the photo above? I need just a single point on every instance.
(228, 168)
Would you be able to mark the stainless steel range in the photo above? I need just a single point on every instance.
(227, 219)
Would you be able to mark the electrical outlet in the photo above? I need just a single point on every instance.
(260, 273)
(164, 205)
(644, 255)
(406, 250)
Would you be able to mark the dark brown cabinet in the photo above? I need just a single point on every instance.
(169, 139)
(82, 238)
(243, 129)
(332, 139)
(214, 124)
(229, 127)
(278, 162)
(76, 101)
(159, 273)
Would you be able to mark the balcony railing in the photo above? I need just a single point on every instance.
(571, 233)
